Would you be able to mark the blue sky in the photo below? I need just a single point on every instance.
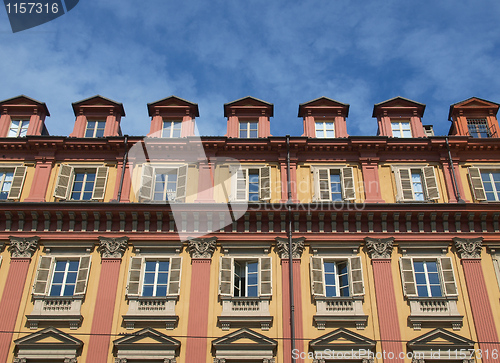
(284, 52)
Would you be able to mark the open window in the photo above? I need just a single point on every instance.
(251, 184)
(11, 182)
(163, 183)
(81, 182)
(485, 183)
(334, 184)
(416, 184)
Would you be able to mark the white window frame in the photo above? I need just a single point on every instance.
(318, 280)
(148, 181)
(401, 130)
(404, 184)
(227, 275)
(169, 128)
(477, 183)
(20, 130)
(240, 182)
(17, 182)
(96, 127)
(66, 178)
(348, 189)
(324, 128)
(247, 130)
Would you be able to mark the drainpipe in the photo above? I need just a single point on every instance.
(453, 176)
(125, 157)
(290, 254)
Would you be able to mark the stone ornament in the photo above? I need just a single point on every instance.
(379, 247)
(468, 247)
(202, 247)
(297, 247)
(23, 247)
(112, 247)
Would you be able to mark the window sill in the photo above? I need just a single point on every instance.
(245, 311)
(56, 309)
(340, 309)
(429, 311)
(149, 309)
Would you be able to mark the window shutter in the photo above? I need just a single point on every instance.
(317, 276)
(240, 193)
(405, 185)
(348, 189)
(181, 183)
(431, 183)
(134, 277)
(477, 183)
(61, 190)
(315, 196)
(42, 277)
(226, 276)
(100, 182)
(265, 276)
(408, 276)
(17, 183)
(322, 184)
(265, 183)
(356, 271)
(83, 275)
(174, 276)
(448, 276)
(146, 190)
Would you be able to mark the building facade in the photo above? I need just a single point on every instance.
(175, 248)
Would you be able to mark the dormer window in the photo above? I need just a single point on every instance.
(249, 129)
(478, 127)
(401, 128)
(18, 128)
(325, 129)
(95, 129)
(172, 129)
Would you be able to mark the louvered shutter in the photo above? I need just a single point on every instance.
(146, 190)
(83, 275)
(265, 183)
(322, 184)
(134, 276)
(100, 182)
(356, 271)
(406, 190)
(408, 276)
(448, 276)
(315, 189)
(226, 276)
(240, 192)
(17, 183)
(348, 189)
(317, 276)
(61, 190)
(431, 183)
(181, 183)
(477, 183)
(42, 277)
(265, 276)
(174, 276)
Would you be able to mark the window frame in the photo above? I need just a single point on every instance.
(149, 171)
(17, 182)
(472, 123)
(172, 129)
(476, 182)
(318, 278)
(401, 129)
(324, 128)
(405, 186)
(97, 123)
(66, 178)
(227, 275)
(248, 128)
(21, 130)
(347, 184)
(240, 183)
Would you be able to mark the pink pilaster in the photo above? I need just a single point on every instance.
(79, 128)
(112, 125)
(35, 126)
(417, 129)
(448, 179)
(205, 183)
(371, 180)
(187, 126)
(5, 121)
(126, 183)
(340, 127)
(156, 126)
(41, 179)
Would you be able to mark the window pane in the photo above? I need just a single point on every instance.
(68, 290)
(329, 267)
(436, 291)
(422, 291)
(149, 278)
(162, 278)
(252, 291)
(163, 265)
(331, 291)
(71, 278)
(161, 291)
(55, 290)
(431, 266)
(419, 266)
(147, 291)
(58, 278)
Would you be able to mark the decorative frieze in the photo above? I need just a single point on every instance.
(297, 247)
(202, 247)
(112, 247)
(379, 247)
(23, 247)
(468, 247)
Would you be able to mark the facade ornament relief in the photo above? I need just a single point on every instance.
(379, 247)
(297, 247)
(19, 360)
(468, 247)
(219, 360)
(112, 247)
(202, 247)
(70, 360)
(23, 247)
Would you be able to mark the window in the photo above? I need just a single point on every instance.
(401, 128)
(427, 279)
(485, 183)
(252, 184)
(81, 183)
(64, 278)
(416, 184)
(336, 278)
(172, 129)
(478, 127)
(163, 183)
(18, 128)
(245, 277)
(249, 129)
(325, 129)
(334, 184)
(95, 129)
(11, 182)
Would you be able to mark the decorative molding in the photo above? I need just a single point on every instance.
(202, 247)
(379, 247)
(70, 360)
(468, 247)
(297, 247)
(112, 247)
(23, 247)
(219, 360)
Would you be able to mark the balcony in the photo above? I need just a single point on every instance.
(245, 311)
(434, 310)
(151, 309)
(56, 309)
(340, 309)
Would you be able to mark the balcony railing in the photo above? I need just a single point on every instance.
(56, 308)
(434, 310)
(339, 309)
(151, 309)
(245, 311)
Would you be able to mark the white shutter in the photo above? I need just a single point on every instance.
(408, 276)
(43, 274)
(101, 177)
(64, 178)
(83, 275)
(315, 193)
(317, 276)
(405, 185)
(146, 190)
(265, 183)
(174, 276)
(348, 188)
(265, 276)
(322, 185)
(240, 192)
(17, 183)
(356, 276)
(181, 183)
(447, 276)
(226, 276)
(477, 183)
(431, 183)
(134, 276)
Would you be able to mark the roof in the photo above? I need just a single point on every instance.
(486, 104)
(98, 98)
(325, 100)
(164, 101)
(251, 99)
(395, 100)
(26, 98)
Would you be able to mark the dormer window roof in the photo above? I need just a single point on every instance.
(400, 117)
(22, 116)
(474, 117)
(172, 117)
(248, 117)
(324, 118)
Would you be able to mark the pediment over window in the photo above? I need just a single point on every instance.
(49, 343)
(244, 344)
(146, 344)
(247, 104)
(342, 340)
(439, 339)
(399, 105)
(473, 104)
(172, 105)
(323, 106)
(96, 103)
(24, 103)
